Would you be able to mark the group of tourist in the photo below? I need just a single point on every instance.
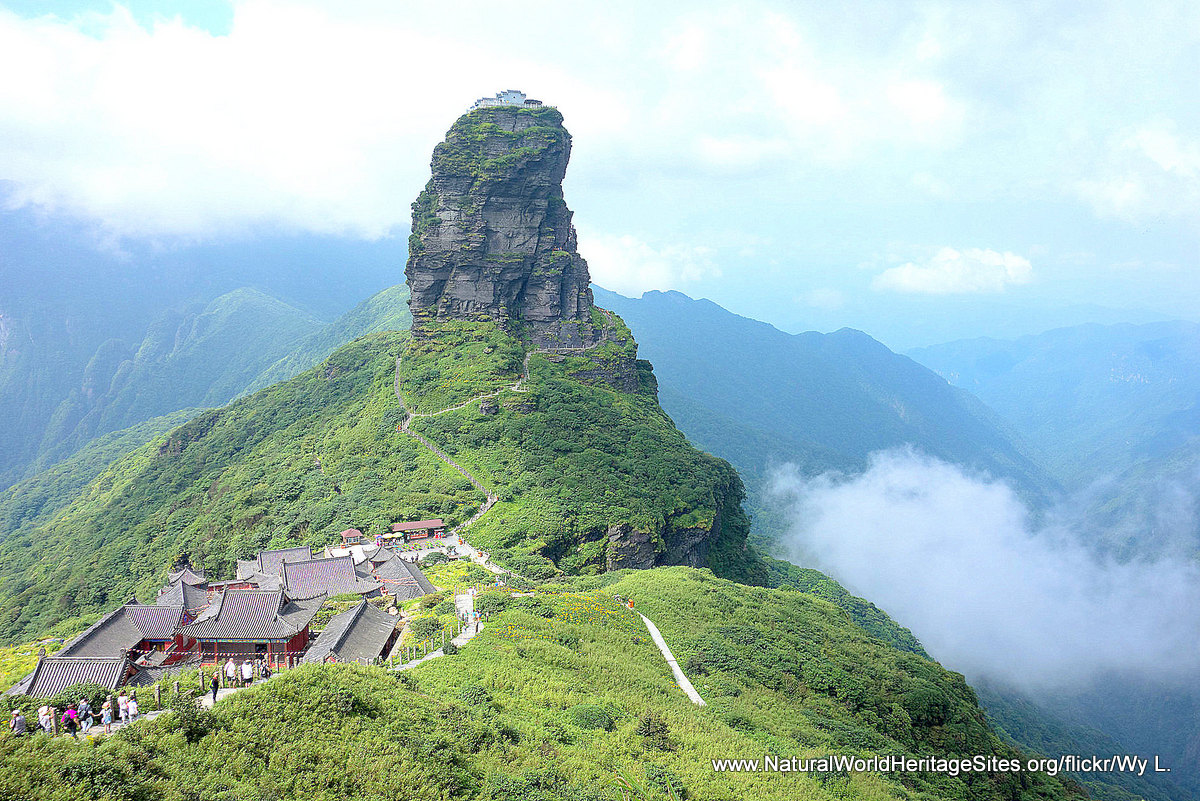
(79, 717)
(243, 675)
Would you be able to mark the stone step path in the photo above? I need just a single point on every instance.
(492, 498)
(464, 604)
(680, 678)
(206, 700)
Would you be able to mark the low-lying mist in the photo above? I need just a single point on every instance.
(956, 558)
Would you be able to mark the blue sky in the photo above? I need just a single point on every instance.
(923, 171)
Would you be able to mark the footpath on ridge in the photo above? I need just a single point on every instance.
(470, 631)
(410, 415)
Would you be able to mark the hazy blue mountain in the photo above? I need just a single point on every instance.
(1150, 510)
(41, 495)
(196, 357)
(1053, 732)
(758, 396)
(386, 310)
(1092, 399)
(69, 298)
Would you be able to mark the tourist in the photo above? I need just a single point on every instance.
(230, 672)
(132, 708)
(247, 673)
(266, 670)
(70, 721)
(46, 719)
(106, 716)
(85, 715)
(123, 707)
(17, 724)
(215, 683)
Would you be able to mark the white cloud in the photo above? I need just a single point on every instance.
(952, 271)
(956, 558)
(629, 266)
(824, 298)
(297, 118)
(1149, 171)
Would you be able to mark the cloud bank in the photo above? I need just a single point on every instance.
(955, 558)
(629, 266)
(951, 271)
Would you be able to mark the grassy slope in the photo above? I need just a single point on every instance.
(549, 700)
(237, 479)
(386, 310)
(569, 459)
(40, 496)
(200, 357)
(229, 482)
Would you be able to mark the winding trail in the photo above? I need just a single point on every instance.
(519, 386)
(410, 415)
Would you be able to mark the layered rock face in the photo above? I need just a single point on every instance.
(492, 237)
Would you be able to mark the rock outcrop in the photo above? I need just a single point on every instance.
(492, 237)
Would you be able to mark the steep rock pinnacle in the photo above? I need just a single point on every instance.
(492, 237)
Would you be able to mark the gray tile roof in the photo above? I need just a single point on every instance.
(54, 674)
(360, 633)
(403, 579)
(187, 574)
(270, 562)
(253, 615)
(334, 576)
(148, 675)
(192, 597)
(156, 622)
(123, 628)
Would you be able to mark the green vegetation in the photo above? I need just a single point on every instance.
(456, 575)
(300, 461)
(37, 498)
(865, 614)
(198, 357)
(386, 310)
(462, 154)
(760, 397)
(568, 459)
(230, 482)
(17, 660)
(551, 706)
(454, 360)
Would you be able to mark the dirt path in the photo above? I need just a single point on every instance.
(410, 415)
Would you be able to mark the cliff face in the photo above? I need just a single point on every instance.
(610, 480)
(492, 237)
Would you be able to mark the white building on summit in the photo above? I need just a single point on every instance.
(509, 97)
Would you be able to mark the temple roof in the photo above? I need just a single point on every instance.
(359, 633)
(188, 575)
(192, 597)
(335, 576)
(123, 628)
(54, 674)
(403, 579)
(253, 615)
(271, 562)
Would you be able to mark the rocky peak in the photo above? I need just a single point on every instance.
(491, 235)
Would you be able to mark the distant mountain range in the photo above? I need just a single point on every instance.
(95, 335)
(1092, 400)
(760, 397)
